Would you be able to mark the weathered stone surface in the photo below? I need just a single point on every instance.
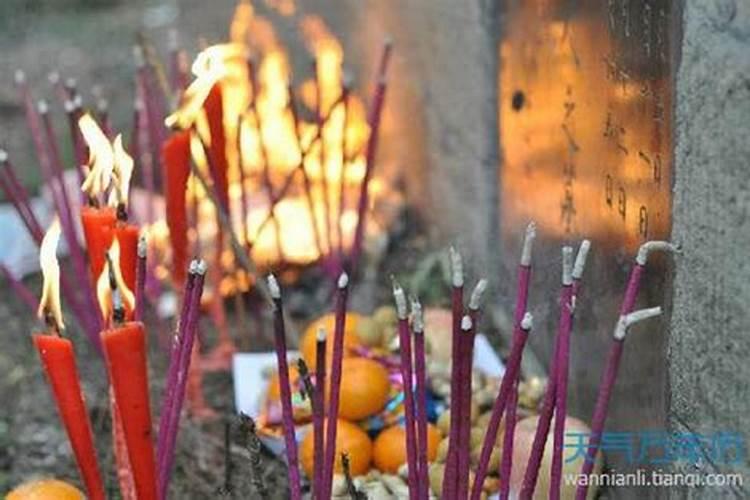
(708, 341)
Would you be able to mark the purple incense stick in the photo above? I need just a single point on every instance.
(421, 399)
(404, 338)
(333, 403)
(373, 120)
(610, 373)
(605, 389)
(170, 385)
(548, 405)
(514, 361)
(561, 377)
(493, 425)
(287, 414)
(468, 333)
(319, 411)
(506, 462)
(140, 278)
(450, 476)
(186, 351)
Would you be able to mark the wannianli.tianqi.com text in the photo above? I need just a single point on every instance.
(655, 478)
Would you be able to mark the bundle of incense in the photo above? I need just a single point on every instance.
(561, 376)
(404, 338)
(342, 295)
(514, 362)
(174, 355)
(285, 389)
(58, 358)
(610, 373)
(183, 357)
(548, 406)
(450, 477)
(420, 374)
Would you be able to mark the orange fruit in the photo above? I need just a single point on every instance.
(274, 389)
(389, 448)
(45, 489)
(350, 439)
(365, 388)
(328, 322)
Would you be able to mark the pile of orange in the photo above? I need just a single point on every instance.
(389, 449)
(365, 391)
(350, 439)
(45, 489)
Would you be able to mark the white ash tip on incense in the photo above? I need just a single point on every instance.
(388, 42)
(142, 246)
(273, 287)
(343, 280)
(42, 107)
(567, 265)
(651, 246)
(477, 295)
(193, 267)
(466, 323)
(69, 106)
(53, 77)
(202, 267)
(628, 320)
(527, 322)
(3, 156)
(70, 83)
(321, 335)
(583, 253)
(528, 244)
(400, 298)
(19, 76)
(417, 315)
(457, 268)
(102, 105)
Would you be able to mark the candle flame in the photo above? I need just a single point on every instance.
(209, 69)
(49, 305)
(123, 172)
(104, 290)
(101, 157)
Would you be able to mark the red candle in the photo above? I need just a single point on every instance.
(214, 108)
(176, 165)
(127, 236)
(125, 349)
(60, 367)
(98, 231)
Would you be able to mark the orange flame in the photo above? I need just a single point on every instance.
(101, 157)
(49, 304)
(104, 292)
(123, 171)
